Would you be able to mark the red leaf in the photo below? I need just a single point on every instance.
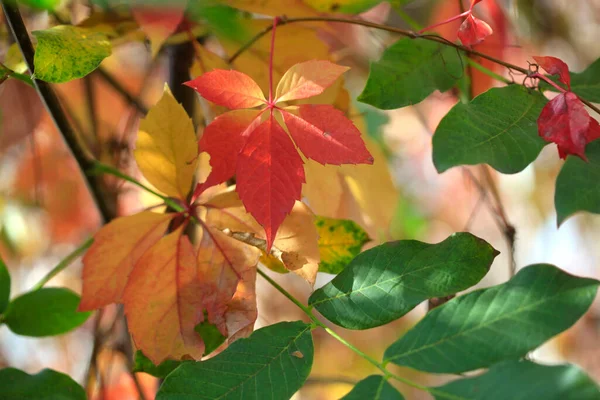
(473, 31)
(231, 89)
(566, 122)
(270, 175)
(325, 135)
(555, 66)
(223, 140)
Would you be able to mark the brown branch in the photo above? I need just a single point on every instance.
(402, 32)
(19, 31)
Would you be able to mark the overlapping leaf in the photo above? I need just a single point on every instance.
(158, 23)
(339, 242)
(269, 170)
(374, 387)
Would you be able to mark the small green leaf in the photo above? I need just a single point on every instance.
(210, 334)
(342, 6)
(409, 71)
(340, 241)
(374, 387)
(385, 282)
(578, 184)
(143, 364)
(272, 363)
(44, 312)
(45, 385)
(522, 380)
(67, 52)
(498, 127)
(4, 286)
(500, 323)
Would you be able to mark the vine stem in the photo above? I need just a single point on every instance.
(332, 333)
(402, 32)
(52, 104)
(63, 264)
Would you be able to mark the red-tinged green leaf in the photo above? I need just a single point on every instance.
(473, 31)
(231, 89)
(325, 135)
(270, 175)
(158, 23)
(566, 122)
(308, 79)
(112, 256)
(223, 139)
(555, 66)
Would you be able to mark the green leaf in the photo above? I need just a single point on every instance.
(210, 334)
(500, 323)
(45, 385)
(498, 127)
(522, 380)
(384, 283)
(4, 286)
(44, 312)
(578, 184)
(374, 387)
(340, 240)
(272, 363)
(409, 71)
(65, 52)
(143, 364)
(585, 84)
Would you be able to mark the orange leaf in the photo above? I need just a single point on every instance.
(112, 256)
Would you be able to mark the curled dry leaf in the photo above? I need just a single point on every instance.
(473, 31)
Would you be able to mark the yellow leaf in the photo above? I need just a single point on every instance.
(339, 242)
(166, 149)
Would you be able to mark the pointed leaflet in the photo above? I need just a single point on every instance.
(555, 66)
(166, 149)
(272, 363)
(223, 139)
(527, 381)
(500, 323)
(231, 89)
(158, 23)
(112, 256)
(325, 135)
(374, 387)
(270, 175)
(473, 31)
(566, 122)
(307, 79)
(297, 236)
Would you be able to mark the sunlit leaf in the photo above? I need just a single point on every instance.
(339, 242)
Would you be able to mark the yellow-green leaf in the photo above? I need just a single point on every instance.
(67, 52)
(166, 149)
(340, 240)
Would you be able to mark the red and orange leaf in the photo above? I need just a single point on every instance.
(324, 134)
(473, 31)
(112, 256)
(566, 122)
(231, 89)
(555, 66)
(158, 23)
(163, 301)
(270, 175)
(223, 139)
(308, 79)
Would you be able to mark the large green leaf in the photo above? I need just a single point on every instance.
(4, 286)
(65, 52)
(498, 127)
(500, 323)
(522, 380)
(44, 312)
(578, 184)
(409, 71)
(374, 387)
(271, 364)
(387, 281)
(340, 241)
(45, 385)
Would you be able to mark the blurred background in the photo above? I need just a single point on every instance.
(46, 211)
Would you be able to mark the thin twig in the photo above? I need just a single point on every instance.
(52, 104)
(64, 263)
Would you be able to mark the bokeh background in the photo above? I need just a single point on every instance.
(46, 212)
